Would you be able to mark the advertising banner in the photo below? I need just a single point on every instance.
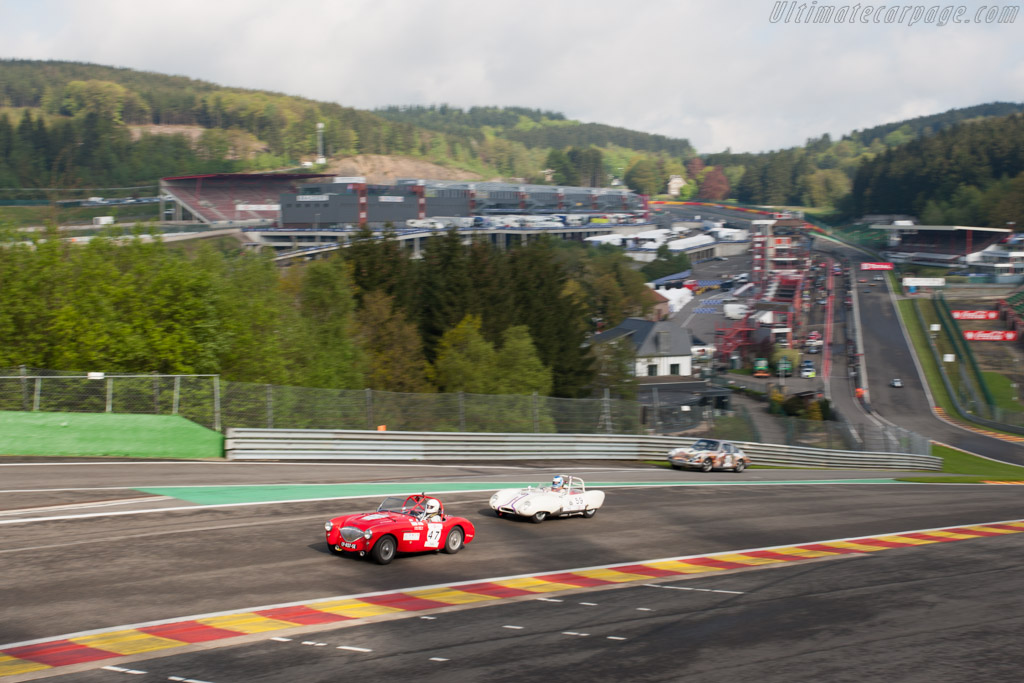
(876, 266)
(924, 282)
(990, 335)
(976, 315)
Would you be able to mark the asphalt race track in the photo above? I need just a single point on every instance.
(83, 549)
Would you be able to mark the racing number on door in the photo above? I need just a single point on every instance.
(433, 535)
(575, 503)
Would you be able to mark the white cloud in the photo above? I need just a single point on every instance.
(718, 73)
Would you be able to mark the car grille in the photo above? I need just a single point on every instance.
(350, 533)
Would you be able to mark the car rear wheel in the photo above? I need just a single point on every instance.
(539, 517)
(740, 466)
(590, 513)
(384, 551)
(453, 543)
(706, 465)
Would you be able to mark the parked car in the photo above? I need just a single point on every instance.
(709, 454)
(401, 524)
(566, 496)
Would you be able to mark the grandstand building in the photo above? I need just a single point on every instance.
(307, 214)
(948, 246)
(351, 201)
(228, 199)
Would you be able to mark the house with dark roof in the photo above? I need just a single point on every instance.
(662, 348)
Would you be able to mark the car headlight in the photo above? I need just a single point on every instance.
(328, 525)
(367, 534)
(494, 500)
(525, 506)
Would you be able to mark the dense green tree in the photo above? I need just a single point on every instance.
(557, 325)
(563, 170)
(327, 306)
(444, 292)
(643, 177)
(465, 360)
(392, 345)
(518, 368)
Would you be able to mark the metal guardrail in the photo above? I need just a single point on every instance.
(328, 444)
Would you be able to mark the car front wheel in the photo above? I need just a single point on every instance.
(706, 465)
(453, 543)
(539, 517)
(590, 513)
(385, 550)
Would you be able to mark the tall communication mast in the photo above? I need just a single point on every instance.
(320, 158)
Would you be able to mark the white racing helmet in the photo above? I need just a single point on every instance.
(432, 507)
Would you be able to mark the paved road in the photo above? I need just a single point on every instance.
(888, 354)
(113, 570)
(928, 614)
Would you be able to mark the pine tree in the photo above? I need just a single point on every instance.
(443, 288)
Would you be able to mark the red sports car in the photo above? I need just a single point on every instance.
(401, 524)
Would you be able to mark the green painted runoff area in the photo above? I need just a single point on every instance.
(106, 434)
(221, 495)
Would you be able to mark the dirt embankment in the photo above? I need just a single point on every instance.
(378, 169)
(191, 132)
(384, 170)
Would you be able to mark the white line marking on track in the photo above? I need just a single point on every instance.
(589, 604)
(281, 640)
(615, 638)
(696, 590)
(438, 659)
(122, 670)
(179, 679)
(352, 648)
(550, 600)
(575, 633)
(183, 530)
(644, 609)
(429, 618)
(74, 506)
(517, 628)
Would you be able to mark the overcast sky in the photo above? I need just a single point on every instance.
(721, 73)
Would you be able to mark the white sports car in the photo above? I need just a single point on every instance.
(565, 496)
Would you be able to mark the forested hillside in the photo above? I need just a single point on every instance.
(971, 174)
(821, 173)
(63, 124)
(534, 128)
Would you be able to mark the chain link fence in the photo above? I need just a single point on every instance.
(218, 404)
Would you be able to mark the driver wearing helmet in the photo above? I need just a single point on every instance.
(431, 511)
(558, 484)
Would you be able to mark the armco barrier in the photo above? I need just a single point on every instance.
(328, 444)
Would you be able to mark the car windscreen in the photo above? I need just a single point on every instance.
(706, 445)
(393, 504)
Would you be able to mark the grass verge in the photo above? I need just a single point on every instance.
(955, 461)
